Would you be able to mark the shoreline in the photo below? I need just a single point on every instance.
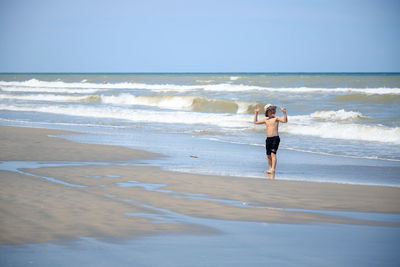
(36, 210)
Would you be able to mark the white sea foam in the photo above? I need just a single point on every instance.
(52, 97)
(170, 102)
(346, 131)
(234, 78)
(368, 91)
(48, 90)
(195, 103)
(180, 117)
(340, 125)
(53, 84)
(44, 124)
(329, 115)
(299, 125)
(34, 85)
(227, 87)
(339, 115)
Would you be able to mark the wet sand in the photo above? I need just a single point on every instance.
(33, 144)
(119, 198)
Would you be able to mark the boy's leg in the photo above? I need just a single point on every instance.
(274, 149)
(268, 152)
(272, 165)
(269, 158)
(273, 156)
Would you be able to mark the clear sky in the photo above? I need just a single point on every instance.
(199, 36)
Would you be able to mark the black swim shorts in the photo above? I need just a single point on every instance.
(272, 144)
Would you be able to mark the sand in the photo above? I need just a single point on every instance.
(35, 210)
(32, 144)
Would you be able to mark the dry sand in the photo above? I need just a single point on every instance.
(33, 209)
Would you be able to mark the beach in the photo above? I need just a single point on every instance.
(168, 170)
(199, 133)
(56, 190)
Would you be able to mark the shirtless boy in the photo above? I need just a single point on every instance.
(272, 142)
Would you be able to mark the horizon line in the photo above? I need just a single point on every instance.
(256, 72)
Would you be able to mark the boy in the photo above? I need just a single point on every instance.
(272, 141)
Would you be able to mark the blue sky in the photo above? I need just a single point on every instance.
(199, 36)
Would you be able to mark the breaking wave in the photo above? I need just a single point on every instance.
(48, 90)
(35, 85)
(53, 98)
(357, 132)
(340, 124)
(194, 103)
(340, 115)
(135, 115)
(299, 125)
(329, 115)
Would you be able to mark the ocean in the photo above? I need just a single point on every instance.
(342, 128)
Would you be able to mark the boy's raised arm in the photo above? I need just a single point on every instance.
(256, 121)
(284, 119)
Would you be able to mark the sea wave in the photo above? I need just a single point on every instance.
(48, 90)
(329, 115)
(346, 131)
(204, 81)
(190, 103)
(194, 103)
(339, 115)
(340, 124)
(135, 115)
(369, 99)
(52, 97)
(35, 85)
(299, 125)
(170, 102)
(59, 84)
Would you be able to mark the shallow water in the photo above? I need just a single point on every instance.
(240, 244)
